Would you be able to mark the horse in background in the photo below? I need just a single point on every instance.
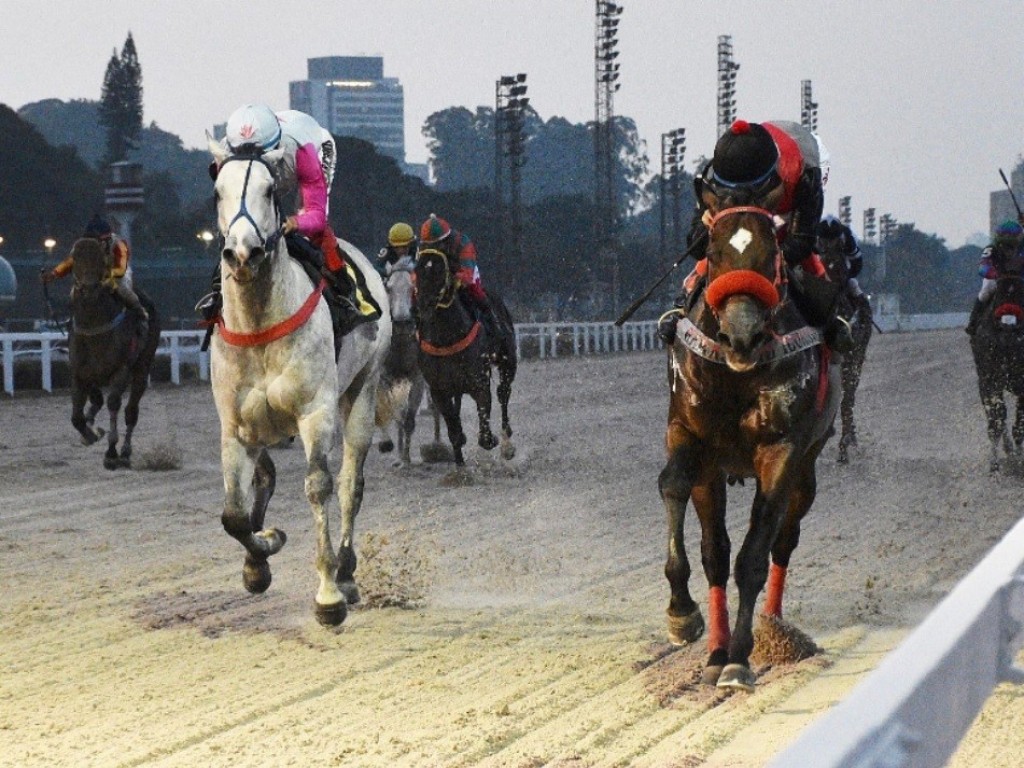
(753, 394)
(275, 375)
(456, 354)
(861, 320)
(402, 386)
(998, 349)
(106, 353)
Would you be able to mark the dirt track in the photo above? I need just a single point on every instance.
(126, 638)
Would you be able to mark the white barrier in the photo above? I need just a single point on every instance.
(912, 711)
(182, 347)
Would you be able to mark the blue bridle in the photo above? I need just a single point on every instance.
(268, 243)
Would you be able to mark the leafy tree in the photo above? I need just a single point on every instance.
(461, 145)
(121, 102)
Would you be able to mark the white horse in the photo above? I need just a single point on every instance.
(274, 376)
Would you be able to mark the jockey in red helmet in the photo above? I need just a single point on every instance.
(437, 233)
(779, 164)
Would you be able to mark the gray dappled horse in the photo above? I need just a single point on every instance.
(274, 375)
(402, 385)
(456, 354)
(753, 394)
(106, 353)
(998, 349)
(861, 320)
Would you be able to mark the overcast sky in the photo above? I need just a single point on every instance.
(920, 101)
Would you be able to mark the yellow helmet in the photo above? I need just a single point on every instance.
(400, 234)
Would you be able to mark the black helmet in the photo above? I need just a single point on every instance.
(745, 156)
(830, 228)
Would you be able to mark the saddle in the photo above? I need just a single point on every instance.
(348, 297)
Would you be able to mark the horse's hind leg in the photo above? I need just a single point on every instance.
(407, 425)
(140, 380)
(995, 411)
(239, 467)
(482, 397)
(110, 458)
(1018, 425)
(506, 374)
(95, 403)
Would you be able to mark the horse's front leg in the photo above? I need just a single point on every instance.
(685, 621)
(1018, 425)
(506, 373)
(450, 406)
(239, 466)
(78, 417)
(317, 430)
(482, 397)
(358, 412)
(995, 412)
(95, 403)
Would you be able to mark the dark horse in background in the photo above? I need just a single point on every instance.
(456, 354)
(998, 348)
(106, 353)
(861, 320)
(753, 394)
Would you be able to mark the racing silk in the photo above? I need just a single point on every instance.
(309, 150)
(797, 151)
(120, 254)
(468, 273)
(995, 261)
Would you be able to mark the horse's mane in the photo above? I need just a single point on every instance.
(91, 263)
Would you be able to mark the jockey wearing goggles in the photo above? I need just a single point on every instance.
(401, 247)
(832, 231)
(778, 166)
(1005, 255)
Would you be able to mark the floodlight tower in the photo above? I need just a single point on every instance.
(845, 214)
(673, 149)
(510, 107)
(606, 76)
(727, 69)
(808, 107)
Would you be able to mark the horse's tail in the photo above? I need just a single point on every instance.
(392, 395)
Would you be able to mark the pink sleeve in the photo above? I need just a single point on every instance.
(312, 218)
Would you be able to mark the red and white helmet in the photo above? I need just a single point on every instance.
(255, 125)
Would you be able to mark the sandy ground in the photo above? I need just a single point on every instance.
(127, 639)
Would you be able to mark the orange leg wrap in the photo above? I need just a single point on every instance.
(718, 619)
(773, 592)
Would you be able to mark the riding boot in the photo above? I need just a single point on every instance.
(209, 307)
(817, 299)
(972, 323)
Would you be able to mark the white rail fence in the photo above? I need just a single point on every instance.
(912, 711)
(542, 340)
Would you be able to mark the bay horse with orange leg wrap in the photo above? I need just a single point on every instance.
(753, 394)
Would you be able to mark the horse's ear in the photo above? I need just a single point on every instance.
(710, 200)
(218, 150)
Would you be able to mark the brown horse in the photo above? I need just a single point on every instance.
(860, 317)
(998, 348)
(106, 352)
(752, 395)
(456, 354)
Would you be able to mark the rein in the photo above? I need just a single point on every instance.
(100, 329)
(448, 289)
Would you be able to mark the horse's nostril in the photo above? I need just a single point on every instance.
(723, 338)
(228, 254)
(256, 255)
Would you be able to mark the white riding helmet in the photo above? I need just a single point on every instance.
(253, 124)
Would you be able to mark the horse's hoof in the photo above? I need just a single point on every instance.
(842, 458)
(111, 462)
(256, 575)
(386, 446)
(350, 591)
(737, 677)
(993, 467)
(487, 442)
(683, 630)
(711, 675)
(508, 451)
(331, 615)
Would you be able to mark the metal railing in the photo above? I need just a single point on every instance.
(912, 711)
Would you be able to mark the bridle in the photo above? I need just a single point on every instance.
(746, 281)
(269, 242)
(446, 295)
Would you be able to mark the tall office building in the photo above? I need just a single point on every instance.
(350, 96)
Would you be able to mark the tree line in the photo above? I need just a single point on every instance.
(54, 181)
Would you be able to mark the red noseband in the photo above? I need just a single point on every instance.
(742, 281)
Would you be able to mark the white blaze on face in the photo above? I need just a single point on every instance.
(741, 239)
